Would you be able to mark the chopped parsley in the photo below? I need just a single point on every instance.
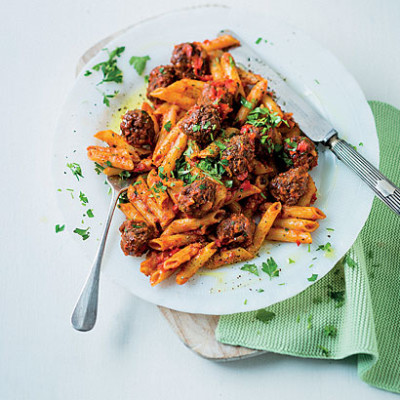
(109, 68)
(232, 62)
(349, 261)
(146, 79)
(213, 169)
(89, 213)
(76, 170)
(260, 290)
(167, 126)
(330, 330)
(139, 63)
(107, 97)
(252, 268)
(84, 233)
(316, 81)
(324, 350)
(313, 278)
(291, 261)
(98, 168)
(265, 316)
(258, 41)
(123, 198)
(87, 73)
(330, 229)
(229, 183)
(221, 146)
(245, 302)
(262, 116)
(83, 198)
(247, 104)
(325, 247)
(124, 175)
(59, 228)
(271, 268)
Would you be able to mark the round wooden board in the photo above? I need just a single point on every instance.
(196, 331)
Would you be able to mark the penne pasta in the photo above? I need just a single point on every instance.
(264, 226)
(289, 235)
(228, 65)
(182, 256)
(227, 257)
(296, 224)
(113, 139)
(191, 224)
(312, 213)
(253, 98)
(116, 156)
(130, 212)
(198, 261)
(177, 149)
(270, 103)
(309, 195)
(221, 42)
(169, 242)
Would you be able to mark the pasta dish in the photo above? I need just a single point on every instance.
(217, 167)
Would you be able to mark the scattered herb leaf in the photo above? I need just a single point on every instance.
(265, 316)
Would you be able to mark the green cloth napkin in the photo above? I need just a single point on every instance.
(361, 301)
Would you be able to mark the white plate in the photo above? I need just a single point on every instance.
(312, 70)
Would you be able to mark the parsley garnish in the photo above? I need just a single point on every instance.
(271, 268)
(245, 103)
(260, 290)
(83, 198)
(325, 247)
(146, 79)
(291, 261)
(245, 301)
(139, 63)
(330, 229)
(124, 175)
(111, 73)
(252, 268)
(123, 198)
(167, 126)
(313, 277)
(221, 146)
(324, 350)
(76, 170)
(330, 330)
(107, 97)
(262, 116)
(316, 81)
(258, 41)
(89, 213)
(349, 261)
(83, 232)
(87, 73)
(229, 183)
(265, 316)
(59, 228)
(98, 168)
(232, 62)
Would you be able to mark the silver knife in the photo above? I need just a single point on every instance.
(318, 128)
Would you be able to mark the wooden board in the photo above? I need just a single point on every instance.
(197, 331)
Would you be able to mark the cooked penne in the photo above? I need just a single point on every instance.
(253, 98)
(248, 78)
(242, 192)
(182, 256)
(198, 261)
(160, 275)
(215, 66)
(113, 139)
(165, 145)
(312, 213)
(117, 156)
(130, 212)
(183, 93)
(190, 224)
(289, 235)
(227, 257)
(169, 242)
(221, 42)
(229, 67)
(270, 103)
(296, 224)
(111, 171)
(177, 149)
(169, 119)
(264, 226)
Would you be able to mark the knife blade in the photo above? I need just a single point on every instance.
(315, 126)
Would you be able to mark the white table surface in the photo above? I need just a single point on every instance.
(132, 353)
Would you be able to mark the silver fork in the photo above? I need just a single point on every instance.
(85, 313)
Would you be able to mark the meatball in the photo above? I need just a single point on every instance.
(289, 186)
(202, 124)
(190, 60)
(198, 198)
(220, 94)
(238, 156)
(135, 237)
(236, 231)
(137, 128)
(301, 151)
(266, 140)
(160, 77)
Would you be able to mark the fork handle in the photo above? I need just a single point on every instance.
(386, 190)
(85, 313)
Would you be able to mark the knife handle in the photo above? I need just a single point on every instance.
(386, 190)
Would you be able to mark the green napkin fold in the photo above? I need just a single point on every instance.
(355, 309)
